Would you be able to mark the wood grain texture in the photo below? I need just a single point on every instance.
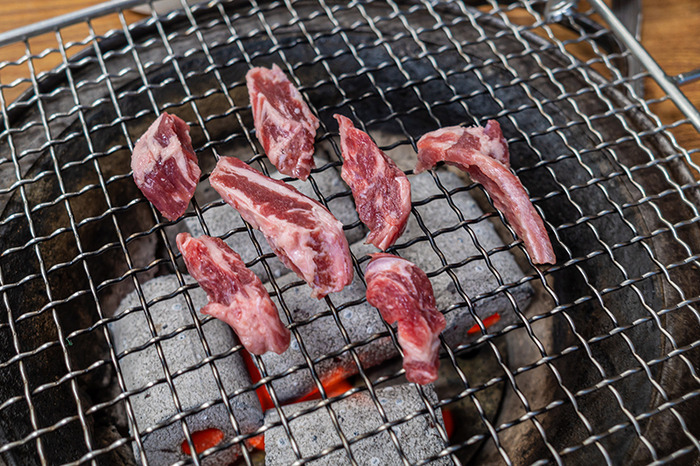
(669, 30)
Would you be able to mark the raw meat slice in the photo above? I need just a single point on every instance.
(303, 233)
(493, 143)
(283, 122)
(236, 295)
(484, 155)
(402, 292)
(381, 191)
(165, 166)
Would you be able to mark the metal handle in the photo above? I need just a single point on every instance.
(687, 77)
(667, 84)
(74, 17)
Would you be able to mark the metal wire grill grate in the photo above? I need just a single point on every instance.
(594, 359)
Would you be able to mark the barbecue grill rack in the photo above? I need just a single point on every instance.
(600, 368)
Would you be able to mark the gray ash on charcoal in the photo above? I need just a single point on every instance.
(321, 336)
(358, 415)
(196, 386)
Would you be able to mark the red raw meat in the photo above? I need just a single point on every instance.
(402, 292)
(382, 192)
(236, 295)
(303, 233)
(283, 122)
(165, 166)
(483, 153)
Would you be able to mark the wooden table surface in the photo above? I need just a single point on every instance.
(669, 32)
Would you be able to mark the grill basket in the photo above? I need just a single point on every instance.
(594, 360)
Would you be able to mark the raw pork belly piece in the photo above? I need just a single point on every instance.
(483, 153)
(381, 191)
(283, 122)
(236, 295)
(165, 166)
(303, 233)
(402, 292)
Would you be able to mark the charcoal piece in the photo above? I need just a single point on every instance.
(182, 349)
(475, 277)
(322, 336)
(358, 415)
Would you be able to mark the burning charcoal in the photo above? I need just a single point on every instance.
(182, 350)
(321, 336)
(475, 277)
(358, 415)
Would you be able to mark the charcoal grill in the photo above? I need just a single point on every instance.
(601, 368)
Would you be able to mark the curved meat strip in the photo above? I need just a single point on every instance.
(402, 292)
(381, 191)
(165, 166)
(236, 295)
(284, 123)
(483, 153)
(303, 233)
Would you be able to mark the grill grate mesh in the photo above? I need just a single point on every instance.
(601, 367)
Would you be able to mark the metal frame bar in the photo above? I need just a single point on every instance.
(656, 72)
(53, 24)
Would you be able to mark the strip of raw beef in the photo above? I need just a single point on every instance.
(236, 295)
(165, 166)
(381, 191)
(402, 292)
(483, 153)
(283, 122)
(303, 233)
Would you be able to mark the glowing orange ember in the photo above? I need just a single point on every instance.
(489, 321)
(203, 440)
(449, 422)
(263, 395)
(335, 384)
(257, 442)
